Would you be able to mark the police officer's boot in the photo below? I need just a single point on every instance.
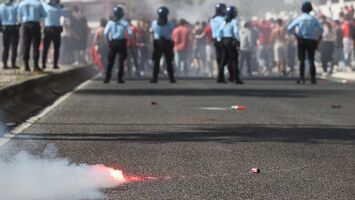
(5, 65)
(221, 78)
(120, 77)
(14, 66)
(44, 66)
(171, 76)
(155, 75)
(27, 66)
(36, 67)
(301, 80)
(238, 81)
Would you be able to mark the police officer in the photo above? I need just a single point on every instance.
(228, 34)
(115, 34)
(30, 13)
(162, 44)
(216, 23)
(10, 26)
(52, 30)
(308, 31)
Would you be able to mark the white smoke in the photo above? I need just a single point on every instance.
(202, 10)
(27, 177)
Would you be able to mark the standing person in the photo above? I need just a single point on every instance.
(115, 34)
(228, 34)
(52, 30)
(100, 43)
(216, 23)
(162, 43)
(30, 13)
(143, 44)
(309, 33)
(181, 38)
(347, 39)
(246, 47)
(133, 51)
(326, 46)
(279, 42)
(80, 32)
(199, 55)
(210, 54)
(265, 56)
(10, 26)
(338, 50)
(291, 53)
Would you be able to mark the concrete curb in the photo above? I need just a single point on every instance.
(24, 99)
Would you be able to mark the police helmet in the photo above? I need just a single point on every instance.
(163, 11)
(118, 12)
(307, 7)
(231, 12)
(220, 8)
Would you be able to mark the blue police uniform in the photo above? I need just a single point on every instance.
(216, 23)
(52, 31)
(117, 30)
(308, 27)
(162, 31)
(115, 34)
(308, 30)
(10, 27)
(8, 14)
(31, 13)
(228, 35)
(228, 30)
(163, 45)
(53, 15)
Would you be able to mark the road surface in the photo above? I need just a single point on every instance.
(204, 150)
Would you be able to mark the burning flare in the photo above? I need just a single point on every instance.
(117, 175)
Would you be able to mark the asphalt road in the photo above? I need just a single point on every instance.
(304, 147)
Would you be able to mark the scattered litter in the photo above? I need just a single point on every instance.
(255, 171)
(11, 124)
(345, 81)
(336, 106)
(237, 107)
(154, 103)
(214, 108)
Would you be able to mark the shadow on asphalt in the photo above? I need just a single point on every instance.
(297, 93)
(214, 134)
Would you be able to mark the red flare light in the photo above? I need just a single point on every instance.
(117, 175)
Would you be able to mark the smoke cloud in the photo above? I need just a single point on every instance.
(28, 177)
(202, 10)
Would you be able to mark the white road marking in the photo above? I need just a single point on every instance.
(19, 129)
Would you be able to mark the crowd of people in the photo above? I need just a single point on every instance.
(266, 47)
(263, 46)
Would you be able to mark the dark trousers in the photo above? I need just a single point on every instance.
(163, 47)
(230, 58)
(245, 56)
(307, 47)
(219, 56)
(10, 41)
(31, 37)
(51, 34)
(116, 47)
